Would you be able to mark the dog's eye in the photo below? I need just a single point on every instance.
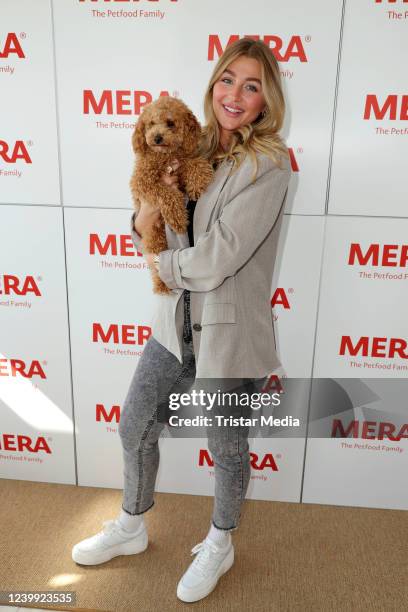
(170, 123)
(151, 123)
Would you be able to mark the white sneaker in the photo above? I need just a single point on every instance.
(111, 542)
(202, 576)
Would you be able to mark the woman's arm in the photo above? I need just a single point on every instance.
(243, 225)
(141, 220)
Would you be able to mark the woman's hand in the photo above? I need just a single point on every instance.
(149, 259)
(170, 176)
(147, 216)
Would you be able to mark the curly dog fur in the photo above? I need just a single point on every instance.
(167, 129)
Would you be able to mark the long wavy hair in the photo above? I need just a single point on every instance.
(262, 135)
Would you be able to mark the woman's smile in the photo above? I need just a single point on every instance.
(232, 111)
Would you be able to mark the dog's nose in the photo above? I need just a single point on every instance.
(158, 138)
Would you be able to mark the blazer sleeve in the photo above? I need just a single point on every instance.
(244, 223)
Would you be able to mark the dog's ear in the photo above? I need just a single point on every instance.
(138, 137)
(192, 132)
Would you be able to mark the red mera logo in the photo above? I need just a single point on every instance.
(283, 52)
(11, 47)
(103, 415)
(389, 109)
(114, 245)
(280, 298)
(293, 160)
(120, 102)
(272, 382)
(18, 367)
(121, 334)
(12, 285)
(374, 347)
(12, 442)
(387, 255)
(10, 153)
(267, 461)
(369, 430)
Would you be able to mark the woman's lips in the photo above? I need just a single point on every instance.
(231, 113)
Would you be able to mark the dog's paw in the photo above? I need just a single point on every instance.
(177, 218)
(180, 227)
(199, 181)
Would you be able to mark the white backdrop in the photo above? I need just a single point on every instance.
(75, 296)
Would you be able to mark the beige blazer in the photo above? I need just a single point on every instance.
(228, 272)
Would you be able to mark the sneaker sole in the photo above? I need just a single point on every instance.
(188, 596)
(132, 547)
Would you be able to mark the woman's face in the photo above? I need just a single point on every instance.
(237, 96)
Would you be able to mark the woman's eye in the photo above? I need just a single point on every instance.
(228, 80)
(170, 123)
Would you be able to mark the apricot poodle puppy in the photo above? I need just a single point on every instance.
(167, 129)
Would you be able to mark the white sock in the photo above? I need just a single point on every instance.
(130, 522)
(221, 537)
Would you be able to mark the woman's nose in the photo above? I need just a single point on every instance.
(236, 93)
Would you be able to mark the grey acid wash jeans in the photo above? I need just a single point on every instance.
(143, 417)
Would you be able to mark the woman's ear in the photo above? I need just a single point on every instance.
(192, 132)
(138, 137)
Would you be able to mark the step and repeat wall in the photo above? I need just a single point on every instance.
(75, 295)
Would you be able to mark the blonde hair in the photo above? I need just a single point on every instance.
(262, 135)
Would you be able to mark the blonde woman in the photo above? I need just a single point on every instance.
(217, 322)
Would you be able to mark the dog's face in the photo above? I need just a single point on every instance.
(162, 130)
(166, 125)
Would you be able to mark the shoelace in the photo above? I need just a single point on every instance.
(204, 562)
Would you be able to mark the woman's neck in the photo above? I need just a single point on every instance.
(225, 140)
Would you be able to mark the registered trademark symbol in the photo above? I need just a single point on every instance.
(23, 35)
(45, 362)
(279, 456)
(291, 290)
(49, 439)
(30, 143)
(176, 94)
(39, 278)
(308, 38)
(299, 150)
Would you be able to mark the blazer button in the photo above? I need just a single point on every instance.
(197, 326)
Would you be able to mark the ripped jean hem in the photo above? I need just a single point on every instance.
(136, 513)
(224, 528)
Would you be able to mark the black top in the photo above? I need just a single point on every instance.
(190, 209)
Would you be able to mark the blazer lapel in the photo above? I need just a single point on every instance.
(206, 202)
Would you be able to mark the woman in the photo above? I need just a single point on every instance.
(222, 328)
